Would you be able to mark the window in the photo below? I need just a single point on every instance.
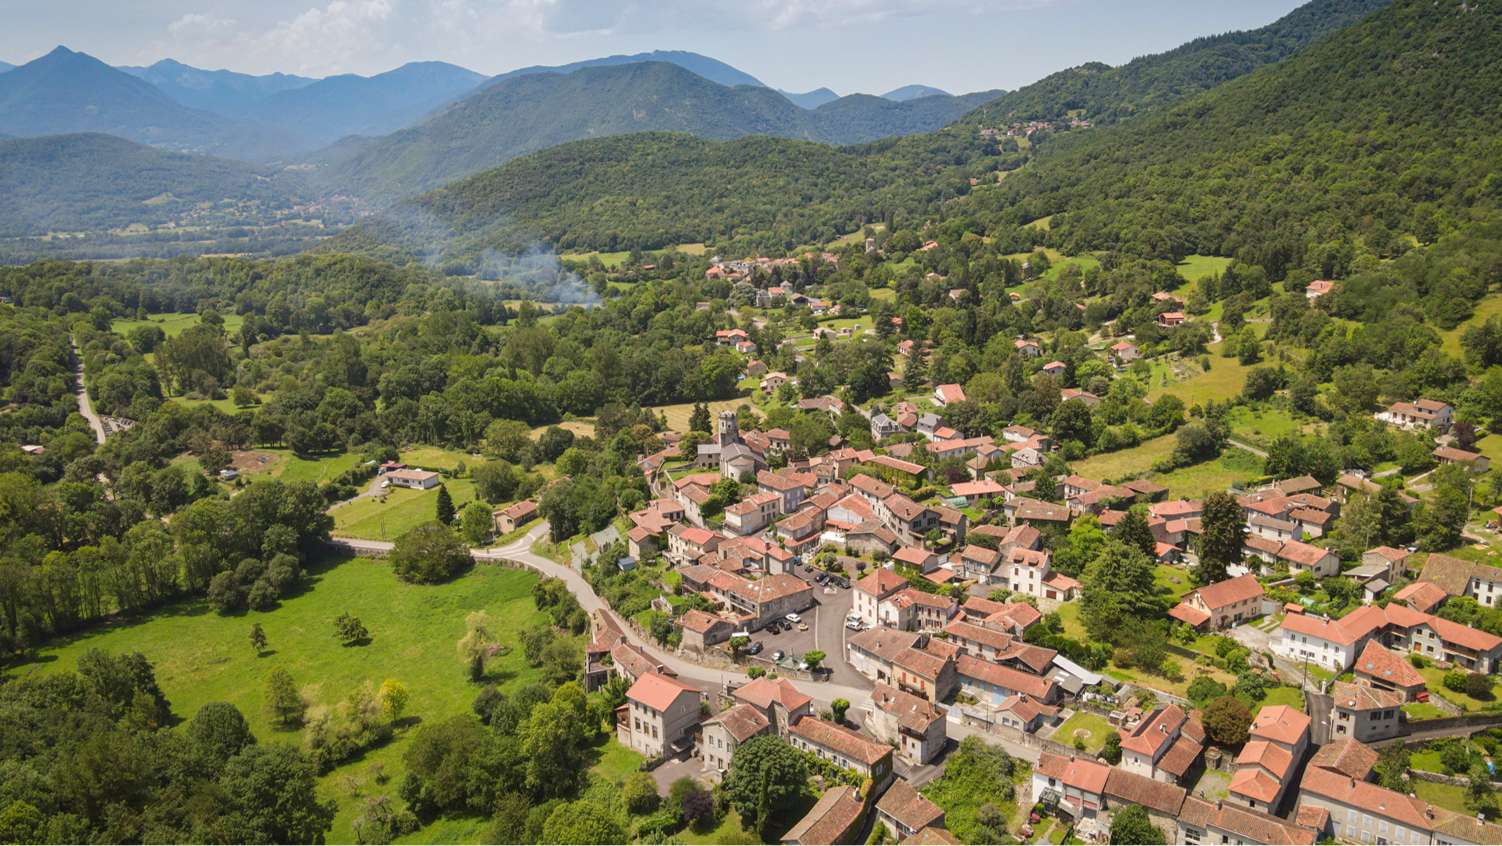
(1366, 820)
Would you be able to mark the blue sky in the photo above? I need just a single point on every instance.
(869, 46)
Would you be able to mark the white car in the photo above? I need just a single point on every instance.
(795, 618)
(386, 484)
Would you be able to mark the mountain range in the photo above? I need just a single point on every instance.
(220, 91)
(332, 108)
(67, 92)
(527, 113)
(1374, 126)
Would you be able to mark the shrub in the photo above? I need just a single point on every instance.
(1419, 662)
(1455, 680)
(1478, 686)
(640, 793)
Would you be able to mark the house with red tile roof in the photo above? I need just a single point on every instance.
(659, 715)
(915, 726)
(1425, 597)
(778, 700)
(1075, 784)
(835, 818)
(1126, 351)
(1165, 745)
(1265, 767)
(948, 393)
(1459, 577)
(844, 748)
(874, 589)
(905, 812)
(702, 630)
(1383, 669)
(1222, 604)
(1421, 414)
(727, 731)
(991, 684)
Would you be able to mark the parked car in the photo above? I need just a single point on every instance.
(808, 568)
(854, 625)
(778, 655)
(821, 578)
(843, 582)
(794, 618)
(754, 648)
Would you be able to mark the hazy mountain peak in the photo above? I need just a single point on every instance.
(913, 92)
(713, 70)
(812, 99)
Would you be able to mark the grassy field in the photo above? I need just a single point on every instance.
(398, 512)
(201, 657)
(173, 323)
(678, 414)
(1193, 267)
(436, 458)
(1260, 427)
(1232, 466)
(1225, 379)
(1115, 465)
(1094, 729)
(294, 469)
(580, 428)
(619, 257)
(1490, 306)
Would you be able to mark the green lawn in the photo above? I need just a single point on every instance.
(1232, 466)
(1260, 427)
(1193, 267)
(1290, 696)
(1225, 379)
(435, 458)
(173, 323)
(1126, 462)
(1452, 798)
(1434, 676)
(1095, 725)
(1164, 574)
(1422, 711)
(398, 512)
(321, 469)
(201, 657)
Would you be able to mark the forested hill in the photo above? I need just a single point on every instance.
(1388, 127)
(1103, 94)
(91, 181)
(526, 113)
(650, 190)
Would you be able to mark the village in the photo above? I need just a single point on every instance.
(859, 568)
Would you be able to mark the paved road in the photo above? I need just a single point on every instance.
(857, 693)
(705, 677)
(84, 407)
(1253, 450)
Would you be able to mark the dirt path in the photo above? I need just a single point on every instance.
(84, 407)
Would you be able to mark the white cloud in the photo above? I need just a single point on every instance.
(194, 25)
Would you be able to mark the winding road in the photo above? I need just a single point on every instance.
(705, 678)
(84, 407)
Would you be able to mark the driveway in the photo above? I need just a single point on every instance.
(1260, 642)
